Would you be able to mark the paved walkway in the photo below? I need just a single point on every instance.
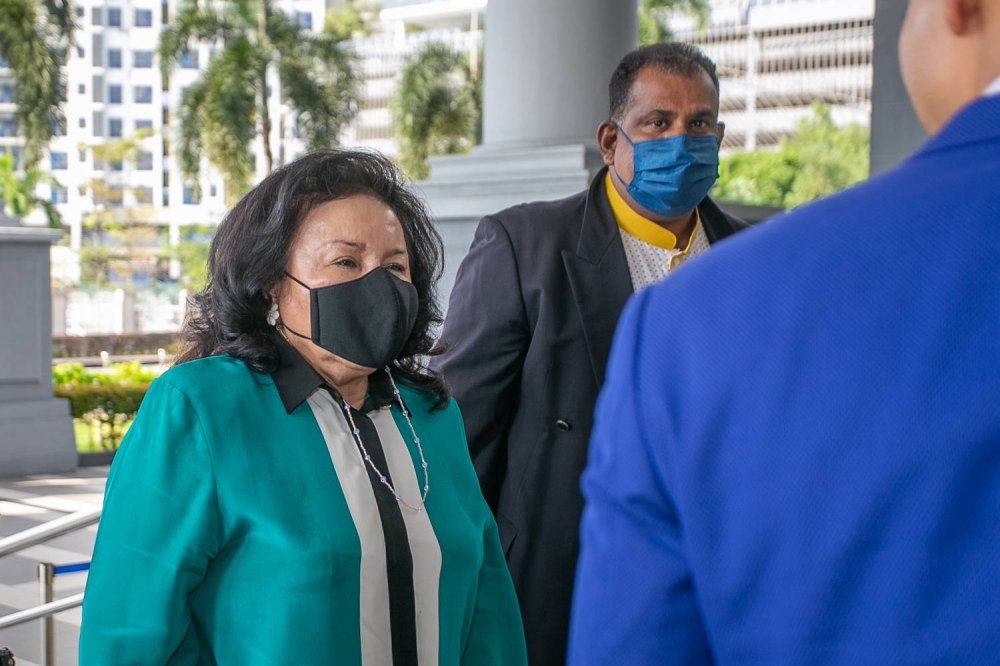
(27, 502)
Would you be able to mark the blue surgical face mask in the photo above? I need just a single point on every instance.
(671, 175)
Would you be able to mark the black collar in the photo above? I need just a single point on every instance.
(296, 380)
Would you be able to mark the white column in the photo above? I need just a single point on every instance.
(547, 66)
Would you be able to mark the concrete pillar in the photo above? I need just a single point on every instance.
(36, 431)
(896, 132)
(547, 64)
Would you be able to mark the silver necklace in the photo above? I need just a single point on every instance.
(368, 459)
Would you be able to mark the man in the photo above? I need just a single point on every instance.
(536, 302)
(805, 468)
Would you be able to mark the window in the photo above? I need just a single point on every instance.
(6, 93)
(4, 62)
(166, 197)
(142, 59)
(60, 194)
(83, 123)
(115, 17)
(82, 155)
(143, 195)
(304, 20)
(82, 88)
(58, 127)
(115, 58)
(144, 94)
(96, 16)
(191, 195)
(115, 196)
(143, 124)
(189, 60)
(59, 161)
(115, 165)
(144, 161)
(115, 94)
(143, 18)
(8, 127)
(211, 191)
(114, 127)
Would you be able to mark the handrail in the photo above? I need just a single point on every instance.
(50, 530)
(44, 610)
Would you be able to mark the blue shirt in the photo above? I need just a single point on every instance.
(805, 468)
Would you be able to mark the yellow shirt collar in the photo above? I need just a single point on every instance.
(637, 225)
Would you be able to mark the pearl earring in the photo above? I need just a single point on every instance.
(272, 315)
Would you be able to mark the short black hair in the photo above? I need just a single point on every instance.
(249, 254)
(670, 57)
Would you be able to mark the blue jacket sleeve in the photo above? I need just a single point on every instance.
(159, 530)
(634, 601)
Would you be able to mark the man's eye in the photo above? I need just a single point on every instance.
(659, 124)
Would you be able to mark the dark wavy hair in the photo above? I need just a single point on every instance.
(250, 252)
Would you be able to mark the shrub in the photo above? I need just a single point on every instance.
(107, 401)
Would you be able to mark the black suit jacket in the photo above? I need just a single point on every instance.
(529, 329)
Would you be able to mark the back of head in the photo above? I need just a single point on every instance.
(950, 53)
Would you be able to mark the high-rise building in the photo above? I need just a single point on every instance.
(114, 92)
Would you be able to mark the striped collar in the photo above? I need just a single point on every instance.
(296, 380)
(635, 224)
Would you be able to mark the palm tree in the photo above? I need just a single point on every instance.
(34, 39)
(18, 191)
(226, 108)
(652, 26)
(436, 108)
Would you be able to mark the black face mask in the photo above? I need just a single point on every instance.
(366, 321)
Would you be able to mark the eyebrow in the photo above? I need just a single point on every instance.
(361, 246)
(700, 113)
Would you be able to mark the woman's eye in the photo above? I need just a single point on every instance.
(397, 268)
(346, 262)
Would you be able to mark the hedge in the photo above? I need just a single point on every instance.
(112, 398)
(71, 346)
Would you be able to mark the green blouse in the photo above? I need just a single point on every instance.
(242, 525)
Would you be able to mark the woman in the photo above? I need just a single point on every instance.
(297, 490)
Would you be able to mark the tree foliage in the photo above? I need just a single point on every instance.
(350, 19)
(19, 191)
(34, 39)
(820, 158)
(436, 108)
(653, 27)
(227, 107)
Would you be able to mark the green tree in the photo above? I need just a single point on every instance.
(226, 108)
(19, 191)
(350, 19)
(820, 158)
(653, 26)
(437, 107)
(34, 39)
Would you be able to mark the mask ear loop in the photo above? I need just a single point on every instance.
(282, 326)
(614, 167)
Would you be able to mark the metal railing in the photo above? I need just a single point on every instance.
(46, 575)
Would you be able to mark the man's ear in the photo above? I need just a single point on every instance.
(607, 140)
(961, 13)
(721, 133)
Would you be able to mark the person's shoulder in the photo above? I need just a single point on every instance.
(210, 379)
(541, 217)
